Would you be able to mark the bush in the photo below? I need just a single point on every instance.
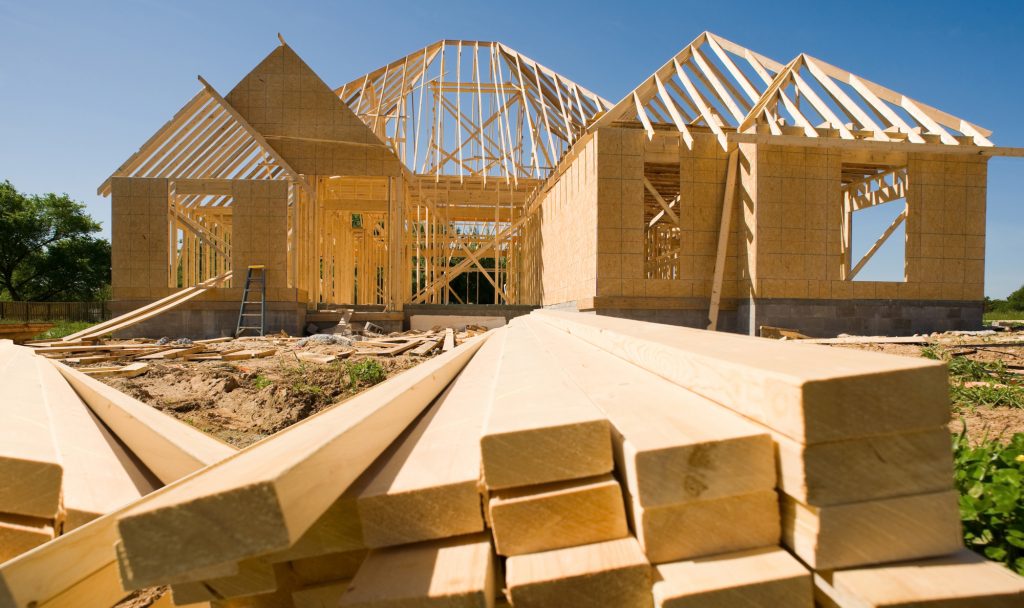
(989, 477)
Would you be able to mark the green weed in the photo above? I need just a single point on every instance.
(63, 328)
(366, 372)
(989, 477)
(261, 382)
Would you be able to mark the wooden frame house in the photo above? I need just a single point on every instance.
(720, 193)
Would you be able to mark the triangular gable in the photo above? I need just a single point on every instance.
(303, 120)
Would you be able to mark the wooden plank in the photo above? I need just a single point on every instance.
(707, 527)
(867, 468)
(19, 533)
(541, 427)
(276, 492)
(802, 391)
(759, 577)
(30, 466)
(871, 532)
(451, 572)
(174, 353)
(425, 486)
(871, 340)
(170, 448)
(249, 353)
(100, 475)
(962, 580)
(254, 577)
(557, 515)
(337, 530)
(449, 339)
(316, 358)
(324, 595)
(612, 573)
(120, 371)
(327, 568)
(671, 446)
(428, 346)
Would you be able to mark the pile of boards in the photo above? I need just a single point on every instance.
(567, 460)
(73, 449)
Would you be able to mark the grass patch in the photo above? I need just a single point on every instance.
(1004, 315)
(990, 477)
(261, 382)
(365, 373)
(63, 328)
(986, 395)
(974, 384)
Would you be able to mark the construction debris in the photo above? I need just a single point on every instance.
(618, 462)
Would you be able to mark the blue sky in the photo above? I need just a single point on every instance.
(83, 84)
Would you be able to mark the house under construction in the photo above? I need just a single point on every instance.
(722, 192)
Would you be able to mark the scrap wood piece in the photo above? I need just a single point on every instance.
(173, 353)
(316, 358)
(214, 340)
(121, 371)
(248, 353)
(48, 343)
(170, 448)
(449, 339)
(872, 340)
(451, 572)
(429, 346)
(99, 474)
(93, 348)
(768, 331)
(425, 486)
(275, 492)
(30, 466)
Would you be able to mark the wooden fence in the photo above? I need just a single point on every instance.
(93, 312)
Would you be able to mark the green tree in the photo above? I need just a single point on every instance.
(1015, 300)
(48, 251)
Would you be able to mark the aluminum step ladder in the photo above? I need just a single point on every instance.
(255, 275)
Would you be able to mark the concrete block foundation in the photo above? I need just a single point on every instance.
(203, 320)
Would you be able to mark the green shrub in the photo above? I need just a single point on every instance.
(261, 382)
(989, 477)
(366, 372)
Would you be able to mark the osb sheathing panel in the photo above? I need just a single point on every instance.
(259, 233)
(568, 218)
(139, 238)
(702, 172)
(302, 118)
(793, 208)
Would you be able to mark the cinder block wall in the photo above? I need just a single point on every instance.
(139, 238)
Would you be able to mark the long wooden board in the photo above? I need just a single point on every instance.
(759, 577)
(170, 448)
(707, 527)
(276, 491)
(541, 427)
(558, 515)
(255, 576)
(327, 568)
(962, 580)
(808, 393)
(612, 573)
(451, 572)
(872, 532)
(672, 445)
(323, 595)
(100, 475)
(30, 466)
(425, 486)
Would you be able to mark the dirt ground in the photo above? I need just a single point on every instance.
(982, 421)
(241, 402)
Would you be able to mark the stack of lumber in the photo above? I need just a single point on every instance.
(65, 460)
(564, 460)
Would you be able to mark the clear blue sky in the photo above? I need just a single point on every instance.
(83, 84)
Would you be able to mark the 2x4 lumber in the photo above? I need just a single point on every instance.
(611, 573)
(254, 577)
(323, 595)
(31, 470)
(871, 532)
(100, 475)
(760, 577)
(120, 371)
(19, 533)
(327, 568)
(671, 446)
(337, 530)
(961, 580)
(867, 468)
(802, 391)
(724, 231)
(558, 515)
(168, 447)
(276, 491)
(456, 572)
(541, 427)
(707, 527)
(425, 486)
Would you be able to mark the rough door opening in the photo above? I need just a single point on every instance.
(661, 221)
(874, 223)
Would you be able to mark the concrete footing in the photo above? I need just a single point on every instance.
(202, 320)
